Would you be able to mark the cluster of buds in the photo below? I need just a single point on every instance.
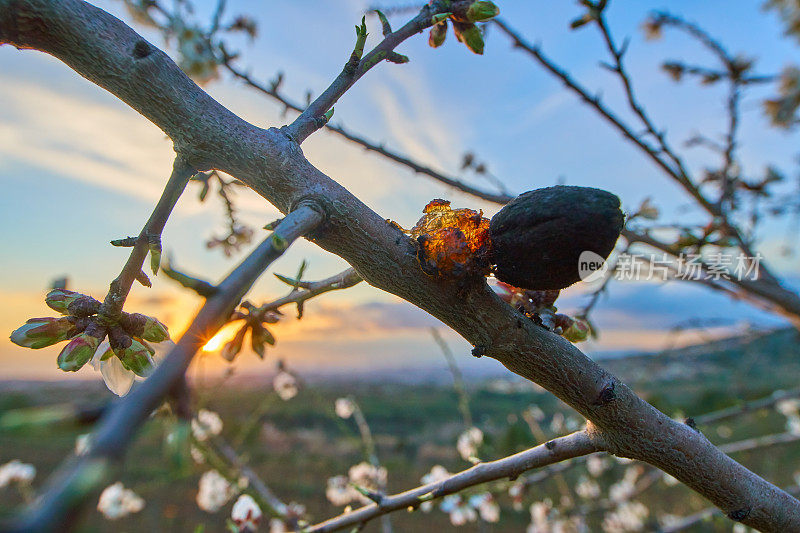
(254, 320)
(464, 26)
(128, 335)
(539, 306)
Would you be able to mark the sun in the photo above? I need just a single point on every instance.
(225, 334)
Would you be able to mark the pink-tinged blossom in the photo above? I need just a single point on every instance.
(246, 513)
(116, 502)
(16, 472)
(214, 491)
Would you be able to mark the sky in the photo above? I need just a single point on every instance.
(79, 168)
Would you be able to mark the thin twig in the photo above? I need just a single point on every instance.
(556, 450)
(458, 378)
(68, 487)
(121, 286)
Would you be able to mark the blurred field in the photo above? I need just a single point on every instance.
(296, 445)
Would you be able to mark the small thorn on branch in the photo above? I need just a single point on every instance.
(396, 58)
(142, 278)
(126, 242)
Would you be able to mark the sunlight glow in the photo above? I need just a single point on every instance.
(224, 335)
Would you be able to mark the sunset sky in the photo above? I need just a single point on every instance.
(79, 168)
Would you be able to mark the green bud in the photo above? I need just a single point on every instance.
(155, 258)
(470, 35)
(146, 327)
(279, 243)
(441, 17)
(78, 352)
(42, 332)
(133, 354)
(155, 330)
(437, 35)
(481, 11)
(71, 303)
(578, 331)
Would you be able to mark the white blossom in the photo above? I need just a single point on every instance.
(788, 407)
(625, 488)
(596, 465)
(460, 512)
(197, 58)
(206, 424)
(117, 378)
(276, 525)
(83, 443)
(197, 455)
(16, 472)
(116, 501)
(438, 473)
(540, 513)
(557, 424)
(214, 491)
(627, 517)
(587, 488)
(671, 520)
(468, 443)
(344, 408)
(516, 493)
(669, 480)
(486, 506)
(340, 489)
(285, 385)
(246, 513)
(536, 413)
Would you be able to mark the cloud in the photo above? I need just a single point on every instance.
(91, 140)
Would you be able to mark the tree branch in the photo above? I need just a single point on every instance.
(121, 286)
(573, 445)
(107, 52)
(68, 487)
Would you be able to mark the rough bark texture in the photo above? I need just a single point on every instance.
(206, 135)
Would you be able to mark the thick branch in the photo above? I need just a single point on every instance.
(101, 48)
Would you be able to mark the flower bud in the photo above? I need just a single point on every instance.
(133, 354)
(579, 331)
(437, 35)
(538, 238)
(147, 327)
(470, 35)
(71, 303)
(42, 332)
(232, 348)
(481, 11)
(79, 351)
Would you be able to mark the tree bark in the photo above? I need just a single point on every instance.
(207, 135)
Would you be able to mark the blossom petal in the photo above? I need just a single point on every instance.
(118, 379)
